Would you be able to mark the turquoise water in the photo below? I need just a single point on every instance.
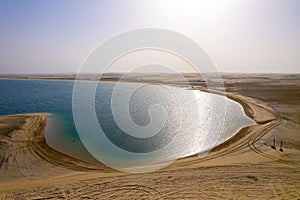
(197, 120)
(54, 97)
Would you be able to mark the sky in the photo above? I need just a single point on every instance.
(56, 36)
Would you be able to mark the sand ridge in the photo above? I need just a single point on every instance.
(244, 167)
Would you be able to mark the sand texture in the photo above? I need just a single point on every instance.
(244, 167)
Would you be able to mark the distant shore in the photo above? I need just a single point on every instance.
(240, 165)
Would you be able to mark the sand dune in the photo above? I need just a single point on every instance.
(244, 167)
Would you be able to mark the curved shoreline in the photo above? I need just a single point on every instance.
(38, 146)
(255, 110)
(245, 167)
(26, 154)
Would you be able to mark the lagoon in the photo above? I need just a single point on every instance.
(139, 123)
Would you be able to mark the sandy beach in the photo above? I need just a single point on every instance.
(244, 167)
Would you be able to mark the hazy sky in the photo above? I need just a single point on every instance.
(52, 36)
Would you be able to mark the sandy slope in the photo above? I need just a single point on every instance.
(245, 167)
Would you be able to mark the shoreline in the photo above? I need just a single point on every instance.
(69, 157)
(250, 109)
(30, 137)
(244, 163)
(67, 161)
(245, 107)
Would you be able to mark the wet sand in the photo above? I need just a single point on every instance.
(244, 167)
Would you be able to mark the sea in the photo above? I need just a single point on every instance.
(125, 124)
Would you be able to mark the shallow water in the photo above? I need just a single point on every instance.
(146, 123)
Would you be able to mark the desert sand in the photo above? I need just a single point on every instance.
(244, 167)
